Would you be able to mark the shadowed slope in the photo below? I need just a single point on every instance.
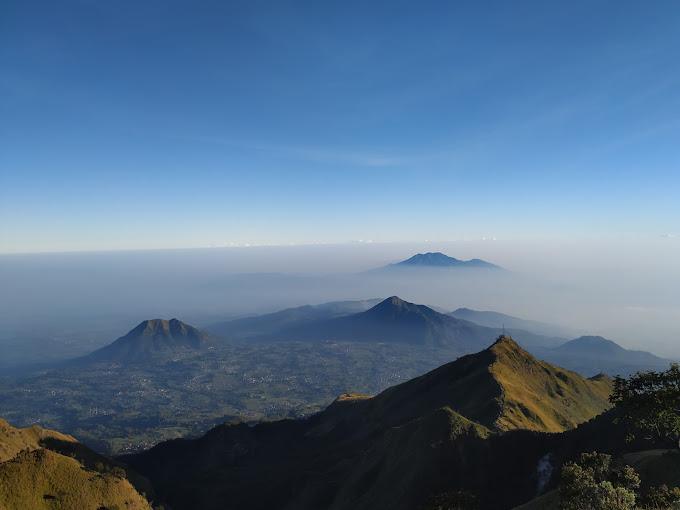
(271, 323)
(393, 320)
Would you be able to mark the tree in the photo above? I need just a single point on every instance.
(651, 400)
(592, 483)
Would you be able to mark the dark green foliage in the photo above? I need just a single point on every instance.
(118, 472)
(593, 484)
(651, 401)
(661, 497)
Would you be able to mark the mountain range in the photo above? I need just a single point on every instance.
(266, 324)
(462, 331)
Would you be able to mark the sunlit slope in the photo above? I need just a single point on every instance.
(539, 396)
(13, 440)
(45, 479)
(34, 474)
(502, 387)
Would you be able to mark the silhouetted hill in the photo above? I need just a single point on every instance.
(441, 431)
(151, 338)
(440, 260)
(500, 320)
(268, 324)
(392, 320)
(592, 345)
(594, 354)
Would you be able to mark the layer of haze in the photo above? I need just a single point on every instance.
(71, 303)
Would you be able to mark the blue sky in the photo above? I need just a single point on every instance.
(160, 124)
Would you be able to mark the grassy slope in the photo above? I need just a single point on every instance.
(540, 396)
(12, 440)
(42, 479)
(34, 459)
(502, 388)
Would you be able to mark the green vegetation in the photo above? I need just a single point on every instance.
(651, 401)
(658, 471)
(592, 483)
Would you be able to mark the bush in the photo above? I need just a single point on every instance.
(661, 497)
(592, 484)
(118, 472)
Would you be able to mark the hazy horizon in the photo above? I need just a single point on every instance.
(627, 292)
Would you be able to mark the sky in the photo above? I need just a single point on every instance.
(176, 124)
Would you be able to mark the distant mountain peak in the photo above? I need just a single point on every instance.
(505, 342)
(393, 302)
(395, 307)
(152, 337)
(171, 327)
(592, 344)
(438, 259)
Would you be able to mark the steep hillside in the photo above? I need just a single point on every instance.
(541, 396)
(13, 440)
(36, 472)
(150, 338)
(503, 387)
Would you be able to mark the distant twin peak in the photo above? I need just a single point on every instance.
(437, 259)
